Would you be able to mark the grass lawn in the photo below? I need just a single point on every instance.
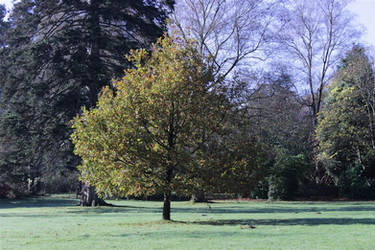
(56, 223)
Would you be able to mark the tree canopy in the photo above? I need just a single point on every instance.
(345, 132)
(147, 135)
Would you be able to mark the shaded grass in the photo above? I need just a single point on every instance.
(57, 223)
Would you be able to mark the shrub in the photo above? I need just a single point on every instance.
(354, 185)
(286, 175)
(63, 182)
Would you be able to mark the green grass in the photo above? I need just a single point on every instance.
(56, 223)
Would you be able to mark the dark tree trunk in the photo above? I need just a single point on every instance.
(167, 206)
(95, 63)
(88, 194)
(90, 198)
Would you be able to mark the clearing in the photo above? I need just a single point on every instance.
(55, 222)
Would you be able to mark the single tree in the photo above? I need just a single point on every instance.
(149, 135)
(345, 130)
(315, 34)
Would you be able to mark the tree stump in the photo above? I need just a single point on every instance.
(90, 198)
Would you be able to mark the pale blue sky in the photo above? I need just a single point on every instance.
(363, 9)
(365, 15)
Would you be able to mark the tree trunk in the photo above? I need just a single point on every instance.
(90, 198)
(167, 206)
(95, 63)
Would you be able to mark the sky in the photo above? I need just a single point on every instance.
(365, 15)
(363, 9)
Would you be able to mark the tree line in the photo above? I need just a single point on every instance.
(262, 99)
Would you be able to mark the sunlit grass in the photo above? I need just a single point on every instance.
(56, 223)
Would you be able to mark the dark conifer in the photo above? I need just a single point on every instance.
(59, 55)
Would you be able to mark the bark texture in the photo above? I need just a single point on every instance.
(90, 198)
(167, 206)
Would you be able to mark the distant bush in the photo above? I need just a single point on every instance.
(62, 182)
(286, 175)
(12, 183)
(260, 191)
(353, 184)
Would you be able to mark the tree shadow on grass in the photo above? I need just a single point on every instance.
(217, 208)
(115, 209)
(38, 202)
(222, 210)
(190, 234)
(286, 222)
(276, 209)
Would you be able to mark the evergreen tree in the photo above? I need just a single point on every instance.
(345, 132)
(3, 25)
(61, 53)
(16, 159)
(278, 121)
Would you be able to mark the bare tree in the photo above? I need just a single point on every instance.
(227, 31)
(314, 34)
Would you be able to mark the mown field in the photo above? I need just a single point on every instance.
(56, 223)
